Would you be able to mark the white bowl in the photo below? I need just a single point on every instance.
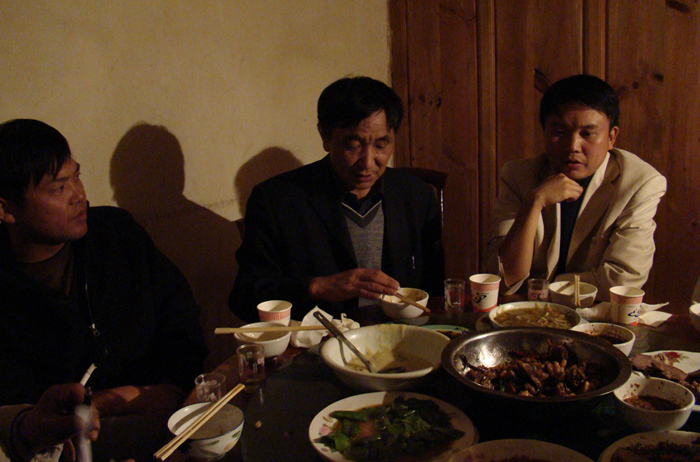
(216, 437)
(562, 292)
(621, 337)
(274, 343)
(396, 309)
(645, 419)
(694, 313)
(422, 347)
(570, 315)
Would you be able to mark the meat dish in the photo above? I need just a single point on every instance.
(557, 371)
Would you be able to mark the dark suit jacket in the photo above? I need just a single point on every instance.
(295, 230)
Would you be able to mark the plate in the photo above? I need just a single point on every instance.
(322, 423)
(511, 448)
(648, 438)
(687, 361)
(450, 331)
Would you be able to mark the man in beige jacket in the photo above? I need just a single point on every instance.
(582, 207)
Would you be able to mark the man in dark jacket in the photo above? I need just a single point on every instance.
(344, 230)
(85, 285)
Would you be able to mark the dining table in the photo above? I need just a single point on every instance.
(298, 385)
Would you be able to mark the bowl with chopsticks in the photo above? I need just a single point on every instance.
(564, 293)
(414, 349)
(216, 437)
(273, 341)
(508, 369)
(395, 308)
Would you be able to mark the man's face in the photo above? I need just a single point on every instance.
(359, 154)
(577, 140)
(54, 212)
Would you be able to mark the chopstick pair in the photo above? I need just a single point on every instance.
(246, 330)
(167, 450)
(411, 302)
(577, 291)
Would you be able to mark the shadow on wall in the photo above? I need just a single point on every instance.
(147, 175)
(266, 164)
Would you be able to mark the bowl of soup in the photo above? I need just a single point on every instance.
(647, 403)
(534, 314)
(621, 337)
(415, 350)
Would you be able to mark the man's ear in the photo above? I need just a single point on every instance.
(612, 137)
(7, 211)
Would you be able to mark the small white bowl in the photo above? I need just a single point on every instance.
(562, 292)
(216, 437)
(274, 343)
(621, 337)
(694, 313)
(422, 347)
(645, 419)
(396, 309)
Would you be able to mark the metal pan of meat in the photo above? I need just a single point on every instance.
(541, 369)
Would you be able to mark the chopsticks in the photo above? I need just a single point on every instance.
(577, 290)
(405, 299)
(246, 330)
(165, 452)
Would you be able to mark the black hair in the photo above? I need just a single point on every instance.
(350, 100)
(29, 150)
(585, 90)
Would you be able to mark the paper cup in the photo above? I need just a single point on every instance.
(484, 289)
(626, 304)
(278, 311)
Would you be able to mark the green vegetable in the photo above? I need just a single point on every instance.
(405, 426)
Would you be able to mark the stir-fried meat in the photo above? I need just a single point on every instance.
(555, 372)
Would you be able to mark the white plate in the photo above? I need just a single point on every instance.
(648, 438)
(322, 423)
(687, 361)
(506, 449)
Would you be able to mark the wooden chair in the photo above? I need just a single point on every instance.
(437, 180)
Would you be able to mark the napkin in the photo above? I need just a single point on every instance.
(309, 338)
(603, 312)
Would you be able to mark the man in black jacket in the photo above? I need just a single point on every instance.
(85, 285)
(342, 231)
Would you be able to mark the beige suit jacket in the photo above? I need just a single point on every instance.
(613, 238)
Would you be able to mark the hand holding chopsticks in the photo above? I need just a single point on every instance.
(165, 452)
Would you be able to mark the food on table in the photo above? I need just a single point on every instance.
(416, 427)
(661, 365)
(610, 338)
(652, 403)
(536, 316)
(389, 359)
(662, 451)
(555, 372)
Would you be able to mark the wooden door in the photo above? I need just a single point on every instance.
(472, 73)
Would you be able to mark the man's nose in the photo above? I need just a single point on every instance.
(367, 156)
(574, 143)
(78, 191)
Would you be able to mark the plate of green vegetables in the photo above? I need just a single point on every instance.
(386, 426)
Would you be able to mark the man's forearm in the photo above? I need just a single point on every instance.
(516, 249)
